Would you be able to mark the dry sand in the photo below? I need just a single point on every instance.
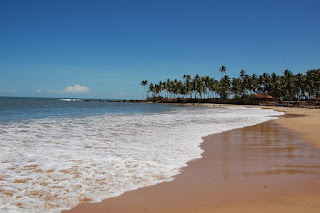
(262, 168)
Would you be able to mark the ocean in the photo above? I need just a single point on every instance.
(57, 153)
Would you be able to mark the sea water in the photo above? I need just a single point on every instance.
(57, 153)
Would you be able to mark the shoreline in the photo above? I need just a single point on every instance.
(177, 195)
(305, 124)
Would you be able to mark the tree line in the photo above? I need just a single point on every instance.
(285, 87)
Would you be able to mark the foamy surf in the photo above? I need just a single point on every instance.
(69, 99)
(51, 164)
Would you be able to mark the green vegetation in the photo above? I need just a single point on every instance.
(287, 87)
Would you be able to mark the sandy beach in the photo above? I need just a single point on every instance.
(307, 125)
(273, 166)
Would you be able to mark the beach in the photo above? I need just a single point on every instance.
(138, 157)
(273, 166)
(72, 152)
(159, 106)
(307, 125)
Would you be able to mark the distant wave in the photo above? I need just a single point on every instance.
(70, 99)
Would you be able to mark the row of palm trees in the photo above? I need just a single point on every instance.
(287, 86)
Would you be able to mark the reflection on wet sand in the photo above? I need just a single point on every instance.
(267, 149)
(262, 163)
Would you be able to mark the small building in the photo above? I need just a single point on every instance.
(264, 97)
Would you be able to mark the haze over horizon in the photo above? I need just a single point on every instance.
(104, 49)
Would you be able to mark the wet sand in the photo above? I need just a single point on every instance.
(261, 168)
(307, 125)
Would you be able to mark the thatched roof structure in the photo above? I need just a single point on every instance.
(263, 96)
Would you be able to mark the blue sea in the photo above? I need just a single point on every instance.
(57, 153)
(23, 109)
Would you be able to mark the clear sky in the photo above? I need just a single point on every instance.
(103, 49)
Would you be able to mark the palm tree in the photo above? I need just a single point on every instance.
(236, 86)
(213, 86)
(276, 86)
(224, 87)
(164, 89)
(255, 84)
(181, 88)
(288, 84)
(168, 87)
(188, 85)
(298, 85)
(197, 86)
(151, 89)
(145, 83)
(312, 83)
(252, 83)
(317, 82)
(175, 88)
(242, 74)
(264, 83)
(223, 69)
(206, 83)
(243, 82)
(157, 89)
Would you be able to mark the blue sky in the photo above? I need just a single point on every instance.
(103, 49)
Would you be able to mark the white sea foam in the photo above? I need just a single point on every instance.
(53, 164)
(70, 99)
